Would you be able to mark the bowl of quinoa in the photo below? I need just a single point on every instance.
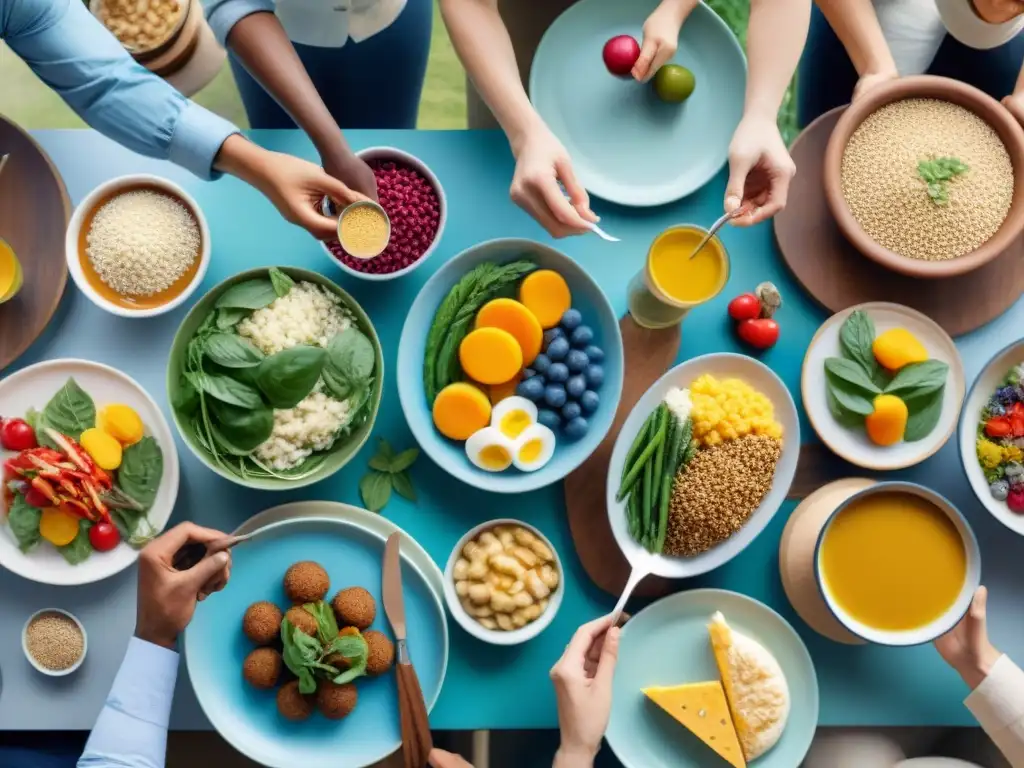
(926, 177)
(54, 642)
(275, 445)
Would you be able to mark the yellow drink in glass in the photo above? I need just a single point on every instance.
(10, 272)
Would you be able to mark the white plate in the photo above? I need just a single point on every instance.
(33, 387)
(721, 366)
(981, 390)
(853, 444)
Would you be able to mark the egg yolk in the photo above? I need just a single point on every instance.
(495, 457)
(514, 422)
(531, 451)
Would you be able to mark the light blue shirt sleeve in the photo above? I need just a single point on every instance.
(73, 53)
(131, 731)
(222, 15)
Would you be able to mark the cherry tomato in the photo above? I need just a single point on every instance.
(17, 435)
(104, 537)
(35, 499)
(761, 333)
(746, 306)
(998, 427)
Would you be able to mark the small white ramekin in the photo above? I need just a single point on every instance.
(39, 667)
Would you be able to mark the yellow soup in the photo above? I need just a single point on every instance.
(686, 280)
(893, 561)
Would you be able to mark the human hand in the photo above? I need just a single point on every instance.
(351, 170)
(760, 170)
(661, 37)
(583, 688)
(166, 597)
(541, 164)
(966, 647)
(1015, 104)
(871, 80)
(441, 759)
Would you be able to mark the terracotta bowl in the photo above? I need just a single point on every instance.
(928, 87)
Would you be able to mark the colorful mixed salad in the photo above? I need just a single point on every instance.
(1000, 445)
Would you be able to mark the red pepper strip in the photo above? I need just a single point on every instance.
(998, 426)
(98, 504)
(44, 487)
(76, 508)
(81, 459)
(63, 481)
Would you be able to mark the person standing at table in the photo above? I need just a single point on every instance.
(496, 40)
(320, 64)
(856, 45)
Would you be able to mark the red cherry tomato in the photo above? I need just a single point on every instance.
(104, 537)
(17, 435)
(35, 499)
(762, 333)
(998, 426)
(746, 306)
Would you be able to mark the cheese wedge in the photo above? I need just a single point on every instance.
(701, 708)
(754, 686)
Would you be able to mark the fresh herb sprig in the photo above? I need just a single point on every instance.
(310, 658)
(937, 173)
(388, 471)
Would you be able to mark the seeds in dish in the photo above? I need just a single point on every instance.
(140, 25)
(1000, 443)
(505, 577)
(54, 641)
(927, 179)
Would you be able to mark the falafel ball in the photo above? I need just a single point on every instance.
(291, 704)
(262, 622)
(336, 701)
(354, 607)
(381, 652)
(262, 668)
(306, 582)
(302, 619)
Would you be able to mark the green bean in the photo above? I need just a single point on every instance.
(666, 498)
(633, 515)
(634, 473)
(657, 467)
(638, 442)
(648, 488)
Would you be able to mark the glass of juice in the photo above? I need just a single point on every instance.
(670, 283)
(10, 272)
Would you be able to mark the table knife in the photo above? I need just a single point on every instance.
(416, 739)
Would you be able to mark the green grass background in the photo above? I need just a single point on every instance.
(28, 102)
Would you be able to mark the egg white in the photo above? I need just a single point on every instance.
(489, 437)
(534, 432)
(509, 406)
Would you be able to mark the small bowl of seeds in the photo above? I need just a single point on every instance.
(364, 229)
(54, 642)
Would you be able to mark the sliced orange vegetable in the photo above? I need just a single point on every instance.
(490, 355)
(514, 317)
(120, 422)
(461, 409)
(546, 294)
(57, 527)
(102, 448)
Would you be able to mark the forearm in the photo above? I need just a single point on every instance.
(1018, 87)
(856, 25)
(775, 40)
(997, 701)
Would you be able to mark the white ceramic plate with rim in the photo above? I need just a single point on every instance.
(33, 387)
(988, 380)
(722, 366)
(853, 444)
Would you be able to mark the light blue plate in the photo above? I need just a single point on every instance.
(597, 312)
(626, 145)
(667, 644)
(215, 649)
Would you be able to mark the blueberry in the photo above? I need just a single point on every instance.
(531, 389)
(589, 401)
(571, 319)
(582, 336)
(554, 395)
(528, 373)
(576, 386)
(576, 428)
(558, 349)
(541, 363)
(558, 373)
(571, 410)
(548, 418)
(594, 353)
(595, 376)
(577, 360)
(552, 334)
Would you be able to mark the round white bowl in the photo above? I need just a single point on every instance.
(39, 667)
(497, 636)
(107, 189)
(953, 614)
(392, 153)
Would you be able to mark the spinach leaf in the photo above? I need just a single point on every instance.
(290, 375)
(229, 317)
(337, 386)
(856, 338)
(226, 389)
(300, 652)
(186, 399)
(851, 374)
(351, 355)
(71, 411)
(126, 521)
(242, 428)
(142, 468)
(918, 379)
(32, 418)
(231, 351)
(79, 550)
(923, 415)
(24, 522)
(846, 418)
(252, 294)
(326, 624)
(356, 652)
(848, 397)
(375, 488)
(281, 282)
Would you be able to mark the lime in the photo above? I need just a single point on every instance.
(673, 83)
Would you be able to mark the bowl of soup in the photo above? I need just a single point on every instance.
(897, 564)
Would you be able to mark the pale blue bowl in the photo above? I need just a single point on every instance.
(597, 312)
(626, 145)
(247, 718)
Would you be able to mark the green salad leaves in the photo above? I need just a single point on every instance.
(340, 658)
(388, 471)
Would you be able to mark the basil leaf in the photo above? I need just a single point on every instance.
(232, 351)
(403, 485)
(327, 625)
(918, 379)
(348, 646)
(375, 488)
(186, 398)
(290, 375)
(79, 549)
(385, 450)
(71, 411)
(844, 417)
(24, 522)
(404, 460)
(32, 417)
(307, 684)
(226, 389)
(351, 355)
(142, 468)
(380, 464)
(337, 385)
(252, 294)
(243, 429)
(229, 317)
(849, 398)
(851, 373)
(357, 660)
(923, 415)
(856, 338)
(281, 282)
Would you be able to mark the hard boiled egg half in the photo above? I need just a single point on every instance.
(513, 438)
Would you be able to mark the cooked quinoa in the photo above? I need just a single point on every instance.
(718, 491)
(888, 197)
(55, 641)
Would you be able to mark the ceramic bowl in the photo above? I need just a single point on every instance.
(991, 376)
(39, 667)
(953, 614)
(926, 87)
(341, 453)
(851, 442)
(497, 636)
(100, 195)
(397, 155)
(597, 312)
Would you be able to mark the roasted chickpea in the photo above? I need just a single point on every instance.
(479, 594)
(462, 588)
(501, 602)
(461, 569)
(505, 622)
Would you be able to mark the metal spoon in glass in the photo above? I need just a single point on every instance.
(717, 226)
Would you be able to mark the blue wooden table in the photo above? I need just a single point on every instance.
(487, 687)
